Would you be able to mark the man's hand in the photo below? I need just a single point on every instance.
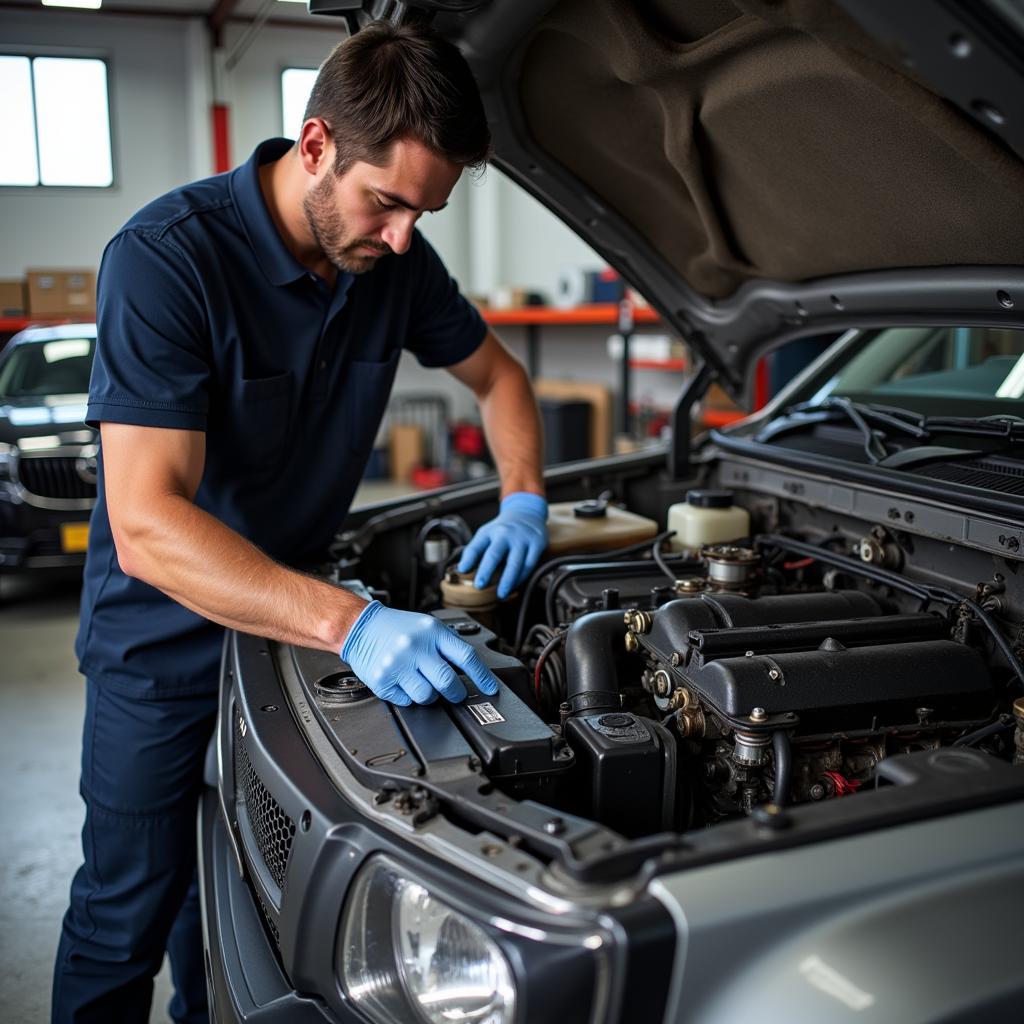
(404, 657)
(517, 536)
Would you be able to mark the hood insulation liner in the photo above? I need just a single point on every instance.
(752, 139)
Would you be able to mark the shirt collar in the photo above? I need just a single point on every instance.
(280, 266)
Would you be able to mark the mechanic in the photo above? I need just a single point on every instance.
(249, 330)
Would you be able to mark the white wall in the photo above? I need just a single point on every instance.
(536, 245)
(154, 148)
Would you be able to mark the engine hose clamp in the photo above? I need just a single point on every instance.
(594, 699)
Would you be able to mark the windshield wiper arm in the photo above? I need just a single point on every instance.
(862, 416)
(999, 426)
(868, 418)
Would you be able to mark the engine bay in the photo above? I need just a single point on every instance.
(653, 687)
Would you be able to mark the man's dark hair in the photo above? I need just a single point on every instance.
(389, 82)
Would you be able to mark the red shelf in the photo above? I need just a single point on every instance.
(10, 324)
(658, 364)
(721, 417)
(595, 313)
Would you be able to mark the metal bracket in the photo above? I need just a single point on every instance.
(679, 453)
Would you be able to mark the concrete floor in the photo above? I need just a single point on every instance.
(41, 707)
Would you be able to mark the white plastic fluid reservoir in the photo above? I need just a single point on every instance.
(594, 525)
(707, 517)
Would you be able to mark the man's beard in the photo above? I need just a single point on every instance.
(329, 232)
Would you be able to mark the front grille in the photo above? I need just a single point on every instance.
(272, 829)
(53, 477)
(986, 474)
(269, 921)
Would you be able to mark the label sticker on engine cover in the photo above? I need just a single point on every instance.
(486, 714)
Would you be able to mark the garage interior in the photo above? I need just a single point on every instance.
(870, 561)
(189, 87)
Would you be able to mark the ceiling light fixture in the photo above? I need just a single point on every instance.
(89, 5)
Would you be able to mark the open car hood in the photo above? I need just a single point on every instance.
(760, 169)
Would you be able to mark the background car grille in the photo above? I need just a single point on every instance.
(272, 829)
(53, 477)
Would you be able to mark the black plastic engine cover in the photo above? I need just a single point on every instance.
(804, 652)
(812, 680)
(579, 588)
(502, 732)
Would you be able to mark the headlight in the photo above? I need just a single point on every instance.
(8, 453)
(403, 947)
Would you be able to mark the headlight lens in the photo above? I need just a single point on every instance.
(7, 456)
(450, 968)
(402, 947)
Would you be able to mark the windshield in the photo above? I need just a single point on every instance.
(968, 371)
(41, 368)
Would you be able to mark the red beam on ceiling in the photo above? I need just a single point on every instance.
(219, 14)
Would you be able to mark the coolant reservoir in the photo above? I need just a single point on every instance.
(594, 526)
(458, 592)
(707, 517)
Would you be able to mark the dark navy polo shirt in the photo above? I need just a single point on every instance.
(207, 322)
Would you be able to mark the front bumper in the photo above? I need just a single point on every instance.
(36, 538)
(277, 860)
(243, 977)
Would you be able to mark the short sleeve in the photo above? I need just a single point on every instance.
(152, 364)
(444, 327)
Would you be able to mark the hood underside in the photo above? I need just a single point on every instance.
(759, 169)
(746, 139)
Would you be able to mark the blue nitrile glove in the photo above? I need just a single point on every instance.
(517, 536)
(404, 657)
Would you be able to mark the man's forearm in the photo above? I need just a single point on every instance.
(207, 567)
(512, 425)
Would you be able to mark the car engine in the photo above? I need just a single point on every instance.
(653, 689)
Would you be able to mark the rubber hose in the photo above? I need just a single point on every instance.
(783, 766)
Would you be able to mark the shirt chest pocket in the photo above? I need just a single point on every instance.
(364, 394)
(257, 422)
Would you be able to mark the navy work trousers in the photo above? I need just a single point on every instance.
(136, 896)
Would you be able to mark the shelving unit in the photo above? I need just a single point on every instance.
(534, 318)
(611, 314)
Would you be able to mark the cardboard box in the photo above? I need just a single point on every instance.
(600, 399)
(12, 296)
(716, 398)
(405, 450)
(67, 294)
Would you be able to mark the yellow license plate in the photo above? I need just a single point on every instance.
(74, 536)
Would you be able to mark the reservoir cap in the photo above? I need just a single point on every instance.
(709, 498)
(592, 508)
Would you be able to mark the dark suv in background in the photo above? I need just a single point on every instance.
(47, 453)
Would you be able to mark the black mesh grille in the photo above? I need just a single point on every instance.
(269, 921)
(272, 829)
(986, 474)
(54, 477)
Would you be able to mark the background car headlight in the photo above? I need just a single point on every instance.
(403, 947)
(8, 453)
